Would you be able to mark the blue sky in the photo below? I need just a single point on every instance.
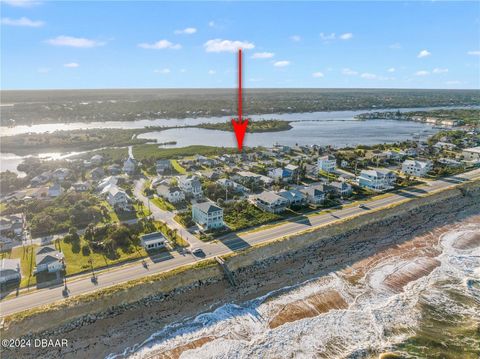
(46, 44)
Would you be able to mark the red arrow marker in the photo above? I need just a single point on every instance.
(239, 125)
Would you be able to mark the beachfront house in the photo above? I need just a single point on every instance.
(314, 194)
(10, 270)
(271, 202)
(48, 259)
(151, 241)
(377, 179)
(294, 197)
(207, 215)
(416, 168)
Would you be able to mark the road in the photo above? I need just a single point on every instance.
(226, 244)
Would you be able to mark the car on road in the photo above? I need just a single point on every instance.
(197, 252)
(363, 206)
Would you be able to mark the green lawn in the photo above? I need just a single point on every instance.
(176, 166)
(76, 262)
(27, 263)
(162, 204)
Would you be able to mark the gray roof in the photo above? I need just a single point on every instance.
(269, 197)
(46, 255)
(154, 236)
(207, 207)
(10, 264)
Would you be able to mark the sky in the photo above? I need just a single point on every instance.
(109, 44)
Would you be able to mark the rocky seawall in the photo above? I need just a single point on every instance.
(115, 319)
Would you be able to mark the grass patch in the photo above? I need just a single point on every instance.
(26, 255)
(162, 204)
(176, 166)
(148, 151)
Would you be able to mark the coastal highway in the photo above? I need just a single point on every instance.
(231, 242)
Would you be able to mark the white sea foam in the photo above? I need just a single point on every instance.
(371, 322)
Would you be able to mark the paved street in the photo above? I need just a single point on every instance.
(227, 244)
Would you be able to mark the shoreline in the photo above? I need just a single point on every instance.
(100, 335)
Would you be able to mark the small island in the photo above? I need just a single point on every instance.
(253, 126)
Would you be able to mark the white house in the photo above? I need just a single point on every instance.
(60, 174)
(48, 259)
(9, 270)
(207, 215)
(280, 174)
(228, 183)
(153, 240)
(471, 154)
(294, 197)
(117, 197)
(12, 223)
(341, 188)
(172, 194)
(190, 185)
(377, 179)
(271, 202)
(416, 168)
(327, 163)
(130, 166)
(314, 194)
(107, 181)
(81, 186)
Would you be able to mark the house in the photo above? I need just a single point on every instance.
(207, 215)
(13, 223)
(411, 152)
(117, 197)
(416, 168)
(81, 186)
(153, 240)
(48, 259)
(471, 154)
(246, 178)
(448, 162)
(60, 174)
(314, 194)
(171, 194)
(111, 180)
(444, 146)
(228, 183)
(377, 179)
(294, 197)
(114, 169)
(394, 155)
(327, 163)
(340, 188)
(271, 202)
(97, 173)
(294, 170)
(163, 166)
(190, 185)
(9, 270)
(55, 190)
(96, 160)
(130, 166)
(280, 175)
(41, 179)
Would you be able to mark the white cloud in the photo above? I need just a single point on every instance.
(164, 71)
(422, 73)
(327, 37)
(263, 55)
(349, 72)
(439, 70)
(474, 53)
(395, 46)
(186, 31)
(318, 74)
(71, 65)
(21, 3)
(295, 38)
(282, 63)
(160, 45)
(423, 53)
(74, 42)
(219, 45)
(212, 72)
(368, 76)
(23, 21)
(346, 36)
(391, 69)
